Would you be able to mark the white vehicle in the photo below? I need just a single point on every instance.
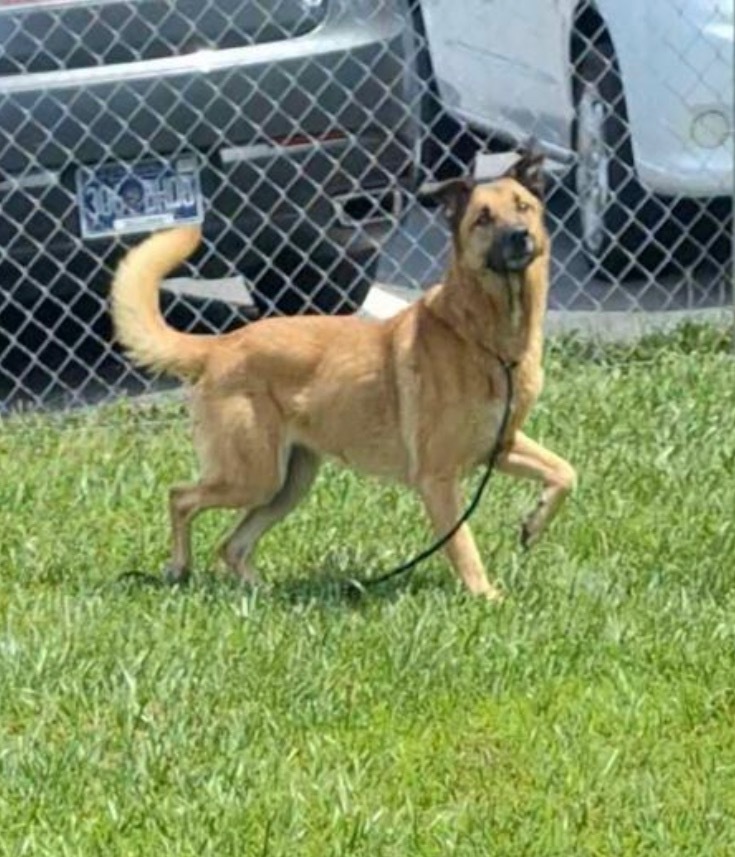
(636, 94)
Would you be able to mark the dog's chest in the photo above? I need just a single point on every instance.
(527, 384)
(480, 430)
(485, 416)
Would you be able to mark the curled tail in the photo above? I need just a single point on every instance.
(139, 325)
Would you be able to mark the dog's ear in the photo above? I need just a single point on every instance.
(528, 169)
(452, 195)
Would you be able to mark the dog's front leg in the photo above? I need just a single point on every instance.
(443, 501)
(529, 460)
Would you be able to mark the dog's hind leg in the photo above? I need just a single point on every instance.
(243, 468)
(442, 498)
(185, 503)
(528, 459)
(301, 470)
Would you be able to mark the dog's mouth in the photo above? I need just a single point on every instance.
(512, 250)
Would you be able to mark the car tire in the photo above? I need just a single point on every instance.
(336, 286)
(618, 221)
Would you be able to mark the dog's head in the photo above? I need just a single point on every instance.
(497, 226)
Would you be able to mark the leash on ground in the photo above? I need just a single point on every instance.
(362, 585)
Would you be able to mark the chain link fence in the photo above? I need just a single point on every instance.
(300, 129)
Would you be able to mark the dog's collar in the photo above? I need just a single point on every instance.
(508, 365)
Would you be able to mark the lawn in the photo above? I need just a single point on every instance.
(592, 714)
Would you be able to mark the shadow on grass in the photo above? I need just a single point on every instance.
(336, 580)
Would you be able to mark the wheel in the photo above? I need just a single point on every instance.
(618, 220)
(337, 286)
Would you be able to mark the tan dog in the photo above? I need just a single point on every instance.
(417, 398)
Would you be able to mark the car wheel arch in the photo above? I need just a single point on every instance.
(592, 19)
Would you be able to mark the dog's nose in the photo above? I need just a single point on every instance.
(512, 249)
(517, 240)
(516, 248)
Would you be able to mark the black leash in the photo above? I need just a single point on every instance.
(362, 585)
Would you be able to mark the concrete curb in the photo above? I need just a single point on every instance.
(610, 326)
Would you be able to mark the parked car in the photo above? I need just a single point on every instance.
(638, 97)
(288, 126)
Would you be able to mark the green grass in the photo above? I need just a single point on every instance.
(592, 714)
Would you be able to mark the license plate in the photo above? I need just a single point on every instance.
(118, 199)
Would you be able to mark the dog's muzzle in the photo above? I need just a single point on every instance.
(512, 250)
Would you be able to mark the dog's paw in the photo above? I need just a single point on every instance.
(494, 595)
(173, 576)
(244, 573)
(530, 530)
(247, 574)
(529, 537)
(534, 524)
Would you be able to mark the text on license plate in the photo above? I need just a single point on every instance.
(118, 199)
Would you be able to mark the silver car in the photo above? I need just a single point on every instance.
(286, 125)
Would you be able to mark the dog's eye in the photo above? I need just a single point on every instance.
(523, 206)
(485, 217)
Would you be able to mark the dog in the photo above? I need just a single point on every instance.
(416, 398)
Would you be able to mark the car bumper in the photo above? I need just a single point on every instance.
(340, 92)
